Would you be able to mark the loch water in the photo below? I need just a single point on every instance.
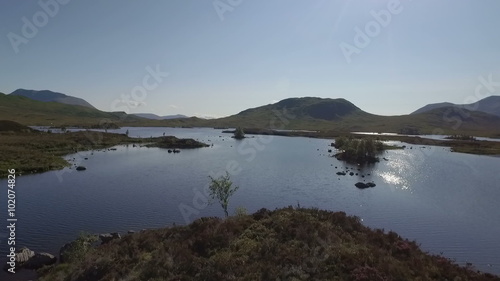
(446, 201)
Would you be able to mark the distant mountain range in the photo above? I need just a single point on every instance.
(490, 105)
(341, 115)
(49, 96)
(306, 113)
(156, 117)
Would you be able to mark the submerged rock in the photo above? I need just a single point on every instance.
(362, 185)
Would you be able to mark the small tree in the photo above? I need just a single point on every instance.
(239, 134)
(222, 189)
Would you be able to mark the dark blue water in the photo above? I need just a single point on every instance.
(447, 201)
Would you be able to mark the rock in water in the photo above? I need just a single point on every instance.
(362, 185)
(40, 260)
(23, 255)
(108, 237)
(105, 237)
(81, 168)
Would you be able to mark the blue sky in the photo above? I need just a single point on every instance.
(225, 56)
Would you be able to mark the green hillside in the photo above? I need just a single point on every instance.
(36, 113)
(11, 126)
(308, 113)
(341, 115)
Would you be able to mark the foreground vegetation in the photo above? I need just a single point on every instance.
(285, 244)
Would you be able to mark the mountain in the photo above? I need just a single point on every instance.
(489, 105)
(33, 113)
(310, 113)
(294, 113)
(49, 96)
(156, 117)
(307, 113)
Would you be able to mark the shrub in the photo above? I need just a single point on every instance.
(239, 133)
(222, 189)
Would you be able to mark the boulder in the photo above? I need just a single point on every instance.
(105, 238)
(341, 173)
(23, 255)
(108, 237)
(362, 185)
(40, 260)
(63, 252)
(81, 168)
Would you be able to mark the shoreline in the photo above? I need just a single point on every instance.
(39, 152)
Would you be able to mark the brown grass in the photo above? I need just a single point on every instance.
(285, 244)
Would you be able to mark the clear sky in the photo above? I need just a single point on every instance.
(225, 56)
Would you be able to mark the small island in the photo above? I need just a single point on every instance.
(174, 142)
(461, 137)
(359, 151)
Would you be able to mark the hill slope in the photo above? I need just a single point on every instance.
(341, 115)
(285, 244)
(295, 113)
(433, 106)
(49, 96)
(306, 113)
(157, 117)
(11, 126)
(490, 105)
(36, 113)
